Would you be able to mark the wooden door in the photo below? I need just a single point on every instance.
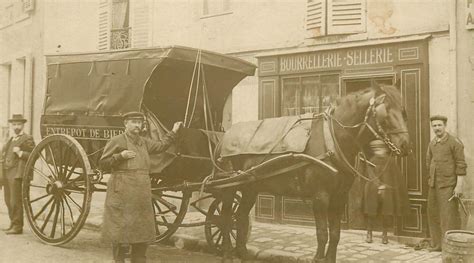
(414, 88)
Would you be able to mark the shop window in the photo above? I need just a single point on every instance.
(215, 7)
(331, 17)
(308, 94)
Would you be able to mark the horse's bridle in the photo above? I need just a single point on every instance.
(378, 133)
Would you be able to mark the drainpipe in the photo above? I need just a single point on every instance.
(453, 79)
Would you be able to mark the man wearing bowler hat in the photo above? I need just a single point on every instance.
(447, 168)
(128, 216)
(15, 154)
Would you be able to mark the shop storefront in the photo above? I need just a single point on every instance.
(298, 83)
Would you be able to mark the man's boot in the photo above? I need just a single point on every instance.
(14, 231)
(368, 239)
(119, 251)
(138, 254)
(7, 228)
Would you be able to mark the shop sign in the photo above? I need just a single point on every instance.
(337, 59)
(470, 14)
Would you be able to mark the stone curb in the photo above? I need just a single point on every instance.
(192, 243)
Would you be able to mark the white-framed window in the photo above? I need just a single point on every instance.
(120, 30)
(332, 17)
(212, 8)
(123, 24)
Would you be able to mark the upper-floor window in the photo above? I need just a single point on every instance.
(331, 17)
(123, 24)
(215, 7)
(120, 31)
(13, 11)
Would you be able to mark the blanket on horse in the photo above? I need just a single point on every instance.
(274, 135)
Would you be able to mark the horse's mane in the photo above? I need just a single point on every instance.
(393, 95)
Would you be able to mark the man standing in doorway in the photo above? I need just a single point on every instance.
(15, 154)
(447, 168)
(129, 218)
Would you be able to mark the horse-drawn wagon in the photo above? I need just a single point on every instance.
(312, 156)
(86, 95)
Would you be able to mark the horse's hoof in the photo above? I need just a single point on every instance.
(227, 260)
(319, 260)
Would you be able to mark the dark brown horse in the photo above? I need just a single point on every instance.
(355, 120)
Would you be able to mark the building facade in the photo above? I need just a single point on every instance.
(307, 52)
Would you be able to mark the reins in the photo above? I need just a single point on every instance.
(379, 134)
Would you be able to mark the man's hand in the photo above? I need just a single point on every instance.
(459, 186)
(177, 126)
(126, 154)
(17, 150)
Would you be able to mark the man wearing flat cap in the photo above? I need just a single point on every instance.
(14, 155)
(447, 168)
(128, 217)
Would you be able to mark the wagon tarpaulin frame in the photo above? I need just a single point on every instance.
(101, 83)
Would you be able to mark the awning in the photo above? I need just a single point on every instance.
(112, 83)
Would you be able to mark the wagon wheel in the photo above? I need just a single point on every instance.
(57, 189)
(213, 227)
(170, 208)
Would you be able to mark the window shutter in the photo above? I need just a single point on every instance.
(104, 25)
(315, 18)
(346, 16)
(139, 23)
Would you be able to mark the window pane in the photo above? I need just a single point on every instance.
(310, 87)
(289, 99)
(330, 86)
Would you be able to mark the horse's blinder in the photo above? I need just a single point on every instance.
(380, 133)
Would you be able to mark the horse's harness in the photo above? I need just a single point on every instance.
(332, 144)
(378, 133)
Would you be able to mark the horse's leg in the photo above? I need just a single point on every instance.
(320, 210)
(336, 208)
(242, 216)
(226, 227)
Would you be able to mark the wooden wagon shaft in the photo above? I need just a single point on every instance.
(252, 177)
(243, 176)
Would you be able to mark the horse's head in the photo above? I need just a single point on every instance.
(386, 118)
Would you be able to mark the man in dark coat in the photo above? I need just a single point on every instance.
(447, 168)
(385, 194)
(129, 218)
(14, 155)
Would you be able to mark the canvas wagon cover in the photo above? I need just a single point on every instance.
(112, 83)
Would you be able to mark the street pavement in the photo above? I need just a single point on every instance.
(267, 243)
(289, 243)
(86, 247)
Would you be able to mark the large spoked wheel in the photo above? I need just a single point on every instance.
(57, 189)
(170, 208)
(214, 221)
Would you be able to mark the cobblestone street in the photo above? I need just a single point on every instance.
(288, 243)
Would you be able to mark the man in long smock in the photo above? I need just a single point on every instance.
(128, 216)
(447, 166)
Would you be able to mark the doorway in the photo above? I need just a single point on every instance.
(353, 217)
(353, 85)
